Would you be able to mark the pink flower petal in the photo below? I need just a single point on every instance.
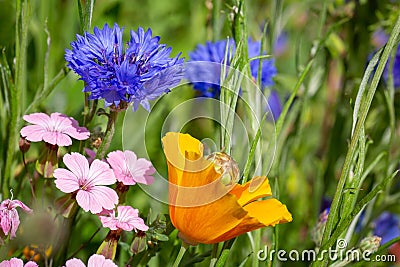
(78, 164)
(100, 173)
(109, 222)
(56, 129)
(116, 159)
(70, 126)
(66, 181)
(5, 222)
(57, 138)
(13, 262)
(74, 263)
(41, 119)
(31, 264)
(17, 203)
(142, 171)
(33, 133)
(128, 219)
(97, 198)
(78, 133)
(100, 261)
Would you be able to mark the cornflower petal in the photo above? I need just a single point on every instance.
(115, 75)
(215, 52)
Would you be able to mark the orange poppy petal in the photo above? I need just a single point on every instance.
(260, 214)
(254, 189)
(206, 223)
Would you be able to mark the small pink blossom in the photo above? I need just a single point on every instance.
(14, 262)
(56, 129)
(130, 170)
(94, 261)
(87, 182)
(128, 219)
(9, 218)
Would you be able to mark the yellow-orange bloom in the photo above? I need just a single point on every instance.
(206, 208)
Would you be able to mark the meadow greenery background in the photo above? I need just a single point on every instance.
(339, 141)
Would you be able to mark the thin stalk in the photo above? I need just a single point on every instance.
(257, 240)
(16, 92)
(216, 6)
(362, 114)
(44, 92)
(86, 243)
(182, 251)
(85, 9)
(109, 133)
(214, 255)
(29, 177)
(225, 252)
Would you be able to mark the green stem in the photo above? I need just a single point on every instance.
(44, 92)
(362, 114)
(182, 251)
(16, 92)
(105, 144)
(257, 240)
(216, 6)
(214, 255)
(225, 252)
(85, 9)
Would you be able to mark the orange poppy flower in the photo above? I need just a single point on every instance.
(206, 204)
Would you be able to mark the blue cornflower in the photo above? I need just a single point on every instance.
(268, 70)
(141, 72)
(379, 38)
(210, 52)
(281, 44)
(215, 52)
(387, 226)
(206, 77)
(396, 70)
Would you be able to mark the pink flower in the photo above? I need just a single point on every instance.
(128, 219)
(94, 261)
(56, 129)
(87, 182)
(14, 262)
(9, 218)
(130, 170)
